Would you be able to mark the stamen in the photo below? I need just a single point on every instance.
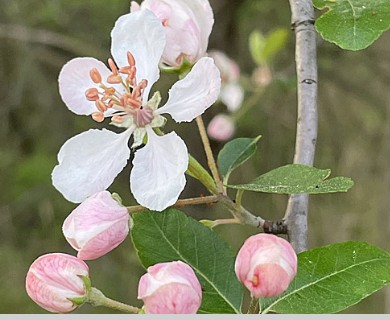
(117, 119)
(114, 79)
(100, 105)
(92, 94)
(133, 103)
(95, 75)
(98, 116)
(130, 59)
(112, 65)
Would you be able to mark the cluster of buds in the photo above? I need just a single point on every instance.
(222, 126)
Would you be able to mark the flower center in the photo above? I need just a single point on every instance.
(120, 94)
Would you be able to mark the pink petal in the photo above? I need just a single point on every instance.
(191, 96)
(157, 177)
(142, 34)
(89, 163)
(74, 80)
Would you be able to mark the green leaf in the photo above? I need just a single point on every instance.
(333, 278)
(256, 46)
(353, 24)
(275, 41)
(235, 153)
(171, 235)
(296, 178)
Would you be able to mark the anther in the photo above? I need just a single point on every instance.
(98, 116)
(114, 79)
(117, 119)
(100, 105)
(92, 94)
(112, 65)
(95, 75)
(130, 59)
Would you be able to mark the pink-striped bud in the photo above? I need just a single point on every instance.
(221, 127)
(266, 264)
(57, 282)
(96, 226)
(187, 27)
(170, 288)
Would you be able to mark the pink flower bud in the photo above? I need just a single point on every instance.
(229, 69)
(221, 127)
(170, 288)
(266, 264)
(187, 25)
(96, 226)
(55, 278)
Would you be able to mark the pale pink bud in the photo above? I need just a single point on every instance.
(55, 278)
(232, 95)
(262, 76)
(229, 69)
(187, 25)
(266, 264)
(170, 288)
(96, 226)
(221, 127)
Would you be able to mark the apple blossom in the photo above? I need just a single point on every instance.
(221, 127)
(56, 280)
(232, 93)
(187, 25)
(97, 226)
(170, 288)
(266, 264)
(90, 161)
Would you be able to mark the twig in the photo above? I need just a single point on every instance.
(306, 136)
(180, 203)
(209, 154)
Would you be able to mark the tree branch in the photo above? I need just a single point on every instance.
(302, 19)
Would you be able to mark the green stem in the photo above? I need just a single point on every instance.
(196, 170)
(97, 298)
(253, 306)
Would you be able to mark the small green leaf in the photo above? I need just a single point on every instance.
(353, 24)
(171, 235)
(235, 153)
(275, 41)
(256, 46)
(333, 278)
(296, 178)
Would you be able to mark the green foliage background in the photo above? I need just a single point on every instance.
(38, 36)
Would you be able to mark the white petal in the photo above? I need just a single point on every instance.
(74, 80)
(232, 95)
(191, 96)
(142, 34)
(89, 162)
(157, 178)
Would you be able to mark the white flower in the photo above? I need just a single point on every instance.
(90, 161)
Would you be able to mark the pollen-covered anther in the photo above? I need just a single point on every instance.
(114, 79)
(95, 75)
(130, 59)
(117, 119)
(92, 94)
(101, 106)
(98, 116)
(113, 67)
(133, 102)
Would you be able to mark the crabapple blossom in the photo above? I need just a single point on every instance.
(266, 264)
(97, 226)
(56, 280)
(232, 93)
(221, 127)
(170, 288)
(187, 25)
(90, 161)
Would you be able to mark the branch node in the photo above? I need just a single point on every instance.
(275, 227)
(307, 22)
(308, 81)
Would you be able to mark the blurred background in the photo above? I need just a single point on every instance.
(38, 36)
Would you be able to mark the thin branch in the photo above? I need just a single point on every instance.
(306, 65)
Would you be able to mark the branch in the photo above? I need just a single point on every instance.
(302, 19)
